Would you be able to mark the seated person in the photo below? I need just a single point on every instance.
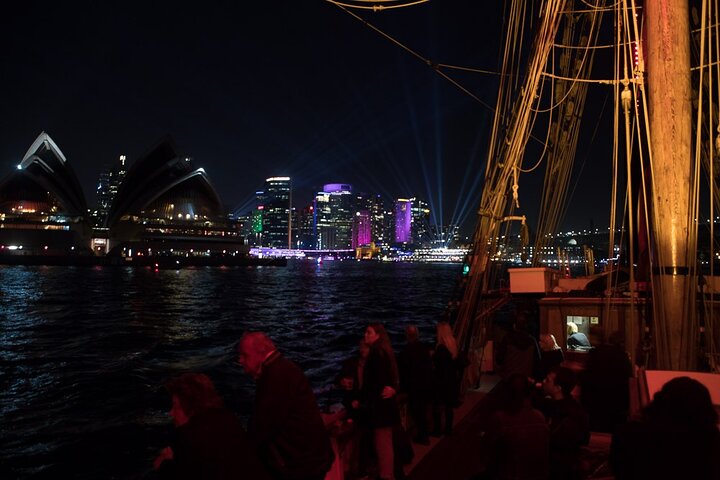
(569, 424)
(576, 340)
(550, 356)
(677, 436)
(516, 443)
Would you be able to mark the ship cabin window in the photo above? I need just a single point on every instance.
(578, 332)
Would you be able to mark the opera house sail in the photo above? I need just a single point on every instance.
(42, 206)
(166, 207)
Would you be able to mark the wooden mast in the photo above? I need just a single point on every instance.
(667, 26)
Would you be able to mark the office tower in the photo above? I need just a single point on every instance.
(361, 229)
(276, 213)
(303, 235)
(420, 228)
(108, 184)
(333, 210)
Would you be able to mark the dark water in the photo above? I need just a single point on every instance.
(84, 351)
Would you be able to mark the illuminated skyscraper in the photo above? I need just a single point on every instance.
(108, 184)
(276, 213)
(420, 229)
(361, 229)
(403, 220)
(303, 236)
(333, 211)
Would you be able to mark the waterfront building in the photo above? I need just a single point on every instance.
(167, 206)
(333, 216)
(42, 206)
(276, 202)
(244, 226)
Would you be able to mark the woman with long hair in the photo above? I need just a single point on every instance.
(447, 378)
(380, 383)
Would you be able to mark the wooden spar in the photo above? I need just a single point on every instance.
(667, 49)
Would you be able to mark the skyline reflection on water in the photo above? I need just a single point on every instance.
(84, 351)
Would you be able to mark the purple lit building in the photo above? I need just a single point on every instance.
(403, 221)
(362, 229)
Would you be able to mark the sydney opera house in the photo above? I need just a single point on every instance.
(165, 210)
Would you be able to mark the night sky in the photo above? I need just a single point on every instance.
(258, 89)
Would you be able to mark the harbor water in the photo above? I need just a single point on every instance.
(84, 351)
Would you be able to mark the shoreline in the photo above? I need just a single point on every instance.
(143, 261)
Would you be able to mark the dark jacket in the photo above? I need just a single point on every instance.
(605, 389)
(649, 450)
(286, 424)
(212, 445)
(447, 377)
(416, 369)
(350, 369)
(517, 353)
(569, 431)
(379, 373)
(516, 446)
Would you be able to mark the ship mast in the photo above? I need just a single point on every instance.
(667, 26)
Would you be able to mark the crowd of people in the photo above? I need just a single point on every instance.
(286, 436)
(424, 378)
(543, 412)
(537, 426)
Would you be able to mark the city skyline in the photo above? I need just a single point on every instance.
(299, 89)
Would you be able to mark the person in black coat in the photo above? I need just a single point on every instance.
(416, 370)
(286, 425)
(447, 379)
(209, 442)
(380, 384)
(358, 446)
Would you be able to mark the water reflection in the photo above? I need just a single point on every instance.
(84, 351)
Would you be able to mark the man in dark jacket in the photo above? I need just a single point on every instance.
(286, 424)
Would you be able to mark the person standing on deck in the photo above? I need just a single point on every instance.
(380, 384)
(518, 351)
(358, 447)
(285, 425)
(447, 379)
(416, 367)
